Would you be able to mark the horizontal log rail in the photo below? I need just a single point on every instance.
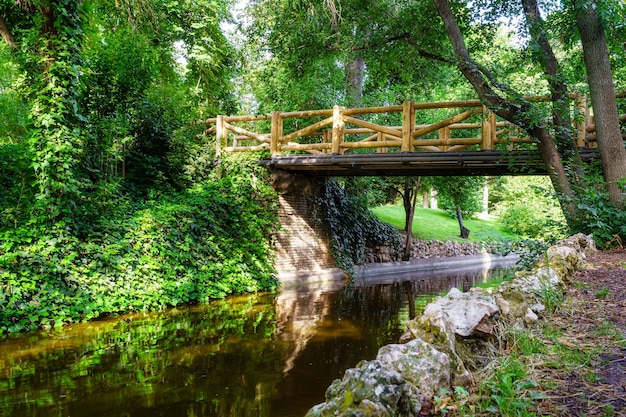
(458, 125)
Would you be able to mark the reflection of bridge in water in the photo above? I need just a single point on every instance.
(326, 327)
(440, 138)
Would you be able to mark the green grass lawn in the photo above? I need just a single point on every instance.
(431, 224)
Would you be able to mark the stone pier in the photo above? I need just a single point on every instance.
(303, 243)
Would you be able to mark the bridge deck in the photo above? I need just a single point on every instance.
(465, 163)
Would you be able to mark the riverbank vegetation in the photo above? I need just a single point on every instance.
(571, 363)
(179, 247)
(517, 208)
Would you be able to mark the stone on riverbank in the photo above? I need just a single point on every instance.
(370, 389)
(419, 363)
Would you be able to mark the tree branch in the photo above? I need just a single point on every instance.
(406, 36)
(504, 108)
(6, 34)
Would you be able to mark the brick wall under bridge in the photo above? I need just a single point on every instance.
(303, 244)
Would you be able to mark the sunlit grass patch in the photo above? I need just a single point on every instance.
(432, 224)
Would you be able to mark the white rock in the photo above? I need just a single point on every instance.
(464, 311)
(419, 363)
(530, 317)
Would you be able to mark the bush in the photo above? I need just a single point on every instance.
(182, 247)
(600, 218)
(528, 208)
(352, 226)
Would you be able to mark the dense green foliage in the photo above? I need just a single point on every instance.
(528, 207)
(109, 203)
(464, 193)
(181, 247)
(352, 226)
(599, 217)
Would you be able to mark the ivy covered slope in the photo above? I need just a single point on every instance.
(187, 246)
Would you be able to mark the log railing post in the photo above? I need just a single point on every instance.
(408, 125)
(220, 135)
(338, 129)
(581, 119)
(444, 136)
(379, 138)
(488, 131)
(277, 133)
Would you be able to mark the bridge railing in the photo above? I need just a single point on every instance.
(452, 126)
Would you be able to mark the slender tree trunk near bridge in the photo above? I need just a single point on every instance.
(464, 230)
(409, 198)
(6, 34)
(600, 79)
(564, 137)
(355, 73)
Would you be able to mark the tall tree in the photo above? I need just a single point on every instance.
(460, 196)
(600, 78)
(520, 111)
(51, 38)
(409, 200)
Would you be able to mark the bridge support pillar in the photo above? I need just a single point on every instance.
(303, 244)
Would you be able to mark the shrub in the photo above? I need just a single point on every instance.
(181, 247)
(352, 226)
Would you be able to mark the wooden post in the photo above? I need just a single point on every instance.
(338, 127)
(488, 130)
(277, 133)
(220, 135)
(581, 119)
(408, 125)
(444, 136)
(379, 138)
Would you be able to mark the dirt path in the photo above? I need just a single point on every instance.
(592, 325)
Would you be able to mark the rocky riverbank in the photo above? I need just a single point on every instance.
(444, 344)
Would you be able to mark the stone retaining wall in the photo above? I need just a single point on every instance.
(427, 249)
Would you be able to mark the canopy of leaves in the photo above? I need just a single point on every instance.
(462, 192)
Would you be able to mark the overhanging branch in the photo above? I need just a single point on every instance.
(6, 34)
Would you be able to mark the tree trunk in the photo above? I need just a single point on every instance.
(410, 296)
(485, 197)
(355, 72)
(464, 230)
(600, 79)
(6, 34)
(564, 137)
(410, 200)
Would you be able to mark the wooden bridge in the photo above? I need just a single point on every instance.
(439, 138)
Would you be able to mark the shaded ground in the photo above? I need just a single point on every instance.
(592, 328)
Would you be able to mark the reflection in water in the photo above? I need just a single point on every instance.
(258, 355)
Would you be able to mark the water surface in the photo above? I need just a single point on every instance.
(257, 355)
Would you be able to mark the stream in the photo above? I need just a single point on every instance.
(257, 355)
